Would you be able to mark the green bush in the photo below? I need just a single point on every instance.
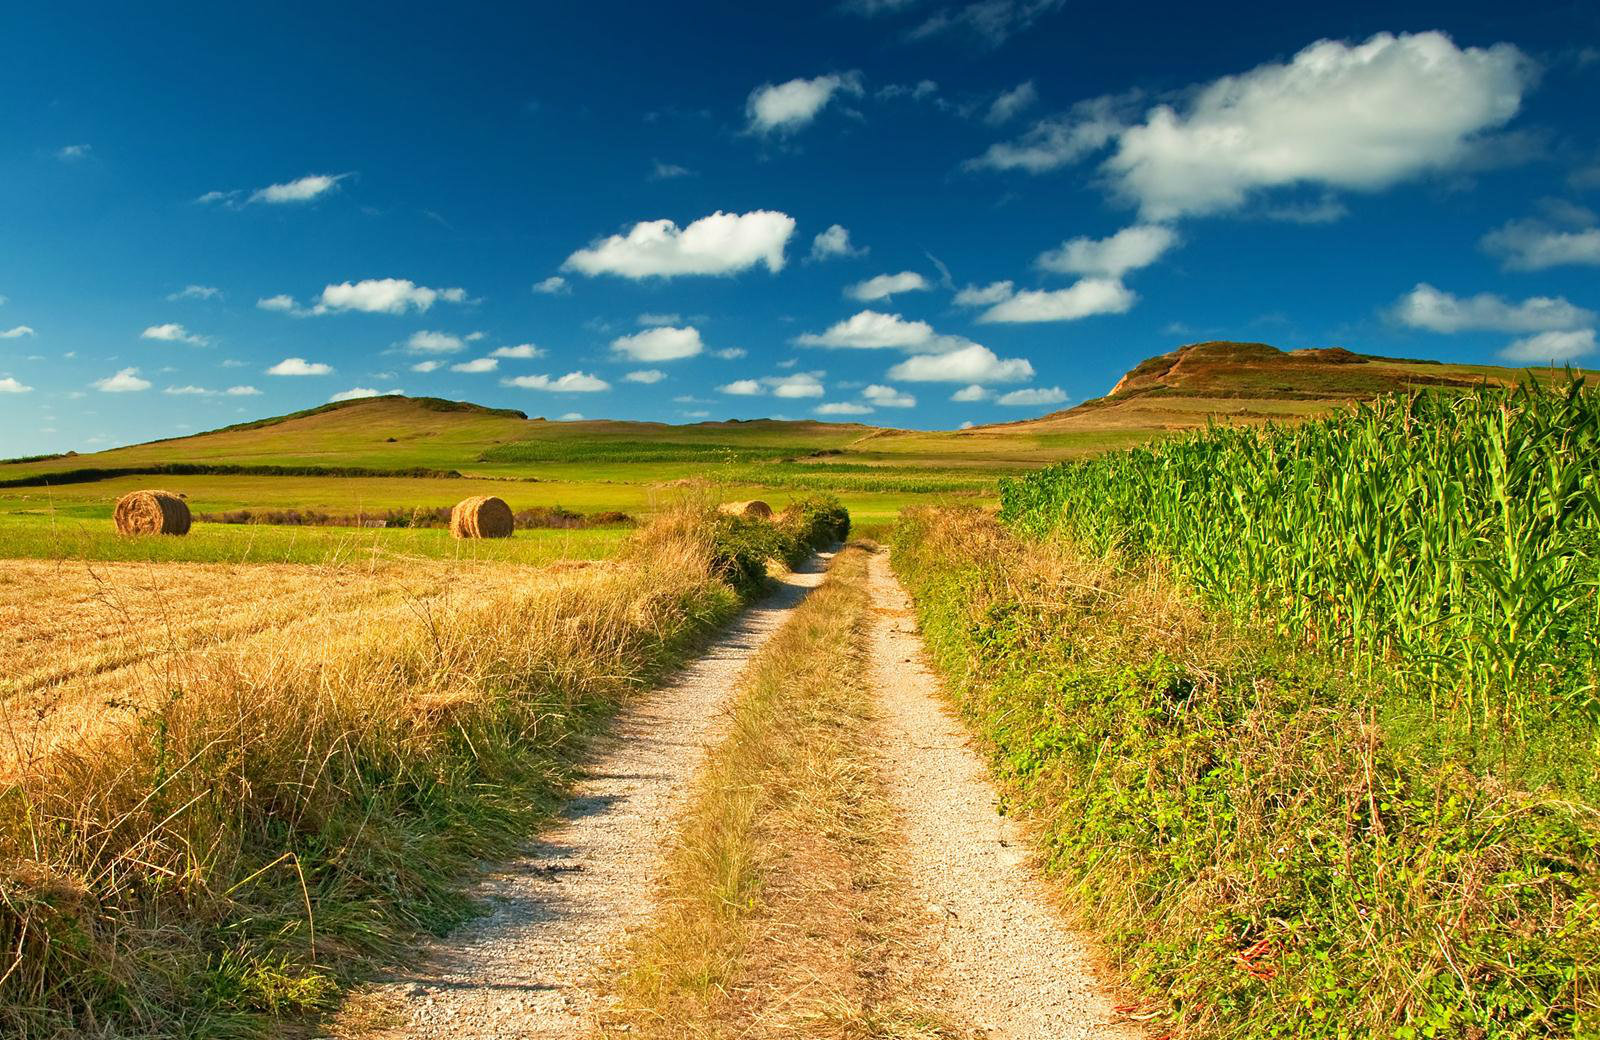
(743, 545)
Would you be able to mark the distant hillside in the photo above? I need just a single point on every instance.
(1255, 381)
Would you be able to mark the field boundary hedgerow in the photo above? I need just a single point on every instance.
(1266, 843)
(92, 475)
(280, 823)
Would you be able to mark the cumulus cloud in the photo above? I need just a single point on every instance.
(1552, 347)
(1127, 250)
(555, 285)
(195, 292)
(383, 296)
(843, 408)
(476, 365)
(17, 332)
(1084, 298)
(571, 383)
(8, 385)
(1011, 103)
(888, 397)
(191, 390)
(972, 392)
(1532, 245)
(885, 285)
(786, 107)
(1033, 396)
(172, 332)
(1358, 117)
(427, 366)
(834, 242)
(666, 343)
(281, 302)
(357, 393)
(242, 391)
(303, 189)
(521, 351)
(875, 330)
(723, 243)
(742, 388)
(984, 295)
(972, 364)
(296, 366)
(1428, 308)
(646, 376)
(125, 381)
(425, 342)
(730, 353)
(801, 384)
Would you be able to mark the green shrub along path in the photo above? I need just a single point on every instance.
(1271, 846)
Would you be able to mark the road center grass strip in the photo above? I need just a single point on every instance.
(779, 910)
(1270, 851)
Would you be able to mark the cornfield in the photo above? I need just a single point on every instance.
(1455, 536)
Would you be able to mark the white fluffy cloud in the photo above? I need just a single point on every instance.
(1337, 115)
(723, 243)
(383, 296)
(875, 330)
(973, 364)
(427, 366)
(1531, 245)
(242, 391)
(1428, 308)
(571, 383)
(357, 393)
(303, 189)
(834, 242)
(555, 285)
(660, 344)
(741, 388)
(843, 408)
(646, 376)
(172, 332)
(426, 342)
(1359, 117)
(17, 332)
(1084, 298)
(801, 384)
(295, 366)
(984, 295)
(521, 351)
(9, 385)
(1552, 347)
(281, 302)
(786, 107)
(888, 397)
(1127, 250)
(885, 285)
(476, 365)
(125, 381)
(1033, 396)
(973, 392)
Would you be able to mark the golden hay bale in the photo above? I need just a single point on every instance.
(755, 509)
(151, 512)
(482, 516)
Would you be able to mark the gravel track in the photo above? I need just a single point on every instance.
(560, 911)
(1008, 963)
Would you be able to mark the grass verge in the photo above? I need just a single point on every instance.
(779, 910)
(1270, 847)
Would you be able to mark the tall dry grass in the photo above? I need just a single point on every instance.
(274, 820)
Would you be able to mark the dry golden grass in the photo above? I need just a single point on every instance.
(294, 792)
(780, 910)
(88, 645)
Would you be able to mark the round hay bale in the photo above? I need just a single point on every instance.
(151, 512)
(482, 516)
(754, 509)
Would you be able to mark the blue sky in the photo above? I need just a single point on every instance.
(907, 212)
